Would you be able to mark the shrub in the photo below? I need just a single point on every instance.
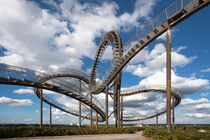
(181, 133)
(31, 131)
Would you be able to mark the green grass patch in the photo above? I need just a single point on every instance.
(32, 131)
(180, 133)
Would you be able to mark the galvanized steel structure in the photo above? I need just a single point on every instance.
(111, 77)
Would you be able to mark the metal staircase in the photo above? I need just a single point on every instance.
(174, 14)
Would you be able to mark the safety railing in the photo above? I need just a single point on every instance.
(143, 88)
(169, 12)
(19, 73)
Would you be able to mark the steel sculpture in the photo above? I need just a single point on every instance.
(151, 89)
(111, 77)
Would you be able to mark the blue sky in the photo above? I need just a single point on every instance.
(47, 34)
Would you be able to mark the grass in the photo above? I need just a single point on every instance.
(32, 131)
(180, 133)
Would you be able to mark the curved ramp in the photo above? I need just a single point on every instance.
(174, 14)
(14, 75)
(150, 88)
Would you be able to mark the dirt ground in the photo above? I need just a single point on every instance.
(136, 136)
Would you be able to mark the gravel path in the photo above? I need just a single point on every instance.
(136, 136)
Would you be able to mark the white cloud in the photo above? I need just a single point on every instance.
(31, 91)
(39, 39)
(198, 115)
(24, 91)
(45, 109)
(188, 101)
(156, 61)
(205, 94)
(140, 57)
(180, 48)
(56, 111)
(68, 102)
(195, 107)
(16, 102)
(206, 70)
(162, 37)
(12, 59)
(143, 104)
(154, 69)
(186, 85)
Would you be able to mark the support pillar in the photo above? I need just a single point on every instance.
(41, 115)
(121, 112)
(107, 108)
(79, 104)
(168, 81)
(50, 116)
(118, 108)
(96, 120)
(173, 114)
(115, 105)
(91, 112)
(157, 121)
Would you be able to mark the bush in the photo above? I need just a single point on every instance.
(181, 133)
(32, 131)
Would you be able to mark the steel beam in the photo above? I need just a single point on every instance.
(41, 115)
(96, 120)
(173, 114)
(91, 112)
(118, 108)
(168, 81)
(79, 104)
(157, 121)
(107, 107)
(114, 105)
(50, 116)
(121, 118)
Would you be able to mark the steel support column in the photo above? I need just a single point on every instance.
(41, 115)
(121, 118)
(157, 121)
(173, 114)
(118, 108)
(107, 107)
(91, 112)
(50, 116)
(96, 120)
(79, 104)
(168, 81)
(114, 105)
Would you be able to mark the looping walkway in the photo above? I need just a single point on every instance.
(174, 14)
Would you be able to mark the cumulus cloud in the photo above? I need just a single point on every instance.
(16, 102)
(155, 72)
(206, 70)
(71, 104)
(198, 115)
(31, 91)
(38, 38)
(162, 37)
(186, 85)
(56, 111)
(156, 61)
(188, 101)
(143, 104)
(23, 91)
(195, 107)
(205, 94)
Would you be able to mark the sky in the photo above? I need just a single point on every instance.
(45, 35)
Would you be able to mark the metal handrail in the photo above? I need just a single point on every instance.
(155, 22)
